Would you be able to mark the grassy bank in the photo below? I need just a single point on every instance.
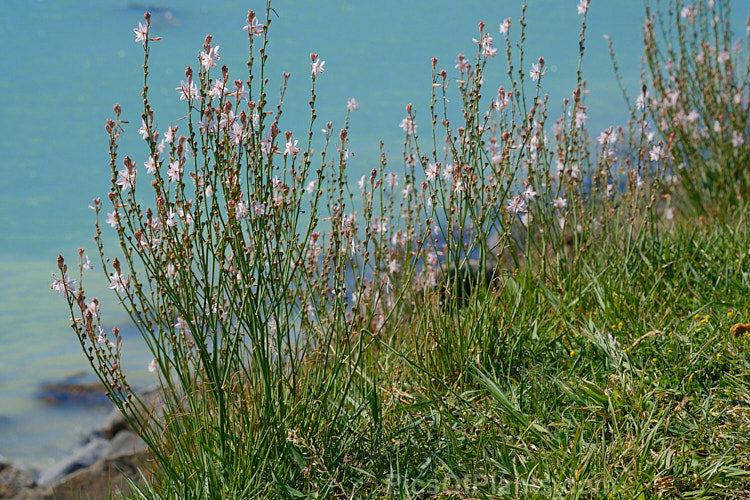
(517, 307)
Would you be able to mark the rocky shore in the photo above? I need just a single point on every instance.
(99, 469)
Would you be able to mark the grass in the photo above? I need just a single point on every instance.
(627, 382)
(528, 314)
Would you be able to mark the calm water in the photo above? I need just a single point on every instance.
(65, 63)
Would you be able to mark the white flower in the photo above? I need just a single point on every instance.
(505, 26)
(656, 152)
(241, 210)
(489, 50)
(317, 67)
(126, 178)
(118, 282)
(516, 205)
(210, 58)
(143, 130)
(291, 148)
(351, 105)
(408, 125)
(181, 325)
(266, 144)
(738, 139)
(535, 72)
(174, 171)
(581, 118)
(391, 179)
(150, 165)
(141, 32)
(254, 27)
(62, 284)
(393, 266)
(641, 100)
(560, 203)
(152, 366)
(112, 219)
(380, 225)
(432, 171)
(188, 90)
(607, 137)
(218, 89)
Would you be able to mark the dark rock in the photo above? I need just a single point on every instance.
(82, 458)
(457, 284)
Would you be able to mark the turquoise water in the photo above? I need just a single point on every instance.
(65, 63)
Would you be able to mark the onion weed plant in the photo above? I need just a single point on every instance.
(515, 310)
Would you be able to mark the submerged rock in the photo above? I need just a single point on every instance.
(74, 389)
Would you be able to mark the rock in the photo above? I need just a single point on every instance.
(458, 284)
(105, 479)
(116, 421)
(13, 481)
(125, 456)
(82, 458)
(124, 444)
(77, 388)
(98, 470)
